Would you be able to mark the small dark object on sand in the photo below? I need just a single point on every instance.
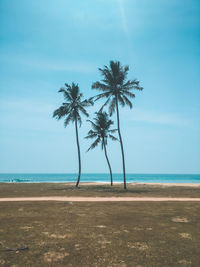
(14, 249)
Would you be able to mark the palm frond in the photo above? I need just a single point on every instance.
(62, 90)
(87, 103)
(107, 101)
(100, 86)
(78, 117)
(68, 119)
(132, 84)
(94, 126)
(112, 106)
(113, 137)
(97, 97)
(68, 86)
(82, 109)
(127, 93)
(107, 74)
(96, 142)
(105, 142)
(108, 124)
(66, 94)
(90, 136)
(127, 101)
(91, 132)
(121, 100)
(113, 130)
(61, 112)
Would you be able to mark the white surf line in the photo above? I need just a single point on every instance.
(99, 199)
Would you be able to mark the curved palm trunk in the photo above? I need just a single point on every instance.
(79, 154)
(120, 139)
(111, 180)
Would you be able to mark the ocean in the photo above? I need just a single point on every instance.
(97, 177)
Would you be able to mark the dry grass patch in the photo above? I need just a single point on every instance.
(185, 262)
(57, 235)
(138, 228)
(180, 219)
(54, 256)
(104, 241)
(101, 226)
(26, 228)
(139, 245)
(21, 209)
(185, 235)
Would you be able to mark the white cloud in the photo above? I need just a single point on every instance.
(157, 117)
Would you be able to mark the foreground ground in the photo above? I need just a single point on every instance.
(96, 190)
(99, 234)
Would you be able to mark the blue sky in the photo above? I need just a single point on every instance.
(46, 43)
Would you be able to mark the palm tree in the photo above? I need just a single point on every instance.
(72, 110)
(117, 90)
(101, 131)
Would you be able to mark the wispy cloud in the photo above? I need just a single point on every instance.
(123, 17)
(49, 64)
(156, 117)
(28, 116)
(56, 65)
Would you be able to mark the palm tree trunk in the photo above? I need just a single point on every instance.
(111, 180)
(120, 139)
(79, 154)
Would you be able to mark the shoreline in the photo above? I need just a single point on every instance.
(107, 183)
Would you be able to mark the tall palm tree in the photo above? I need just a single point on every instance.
(71, 110)
(117, 90)
(101, 131)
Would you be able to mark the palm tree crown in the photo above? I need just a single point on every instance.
(74, 106)
(101, 130)
(72, 110)
(115, 86)
(116, 89)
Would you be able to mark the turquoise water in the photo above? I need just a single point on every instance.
(97, 177)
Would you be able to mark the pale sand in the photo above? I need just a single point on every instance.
(119, 183)
(146, 184)
(98, 199)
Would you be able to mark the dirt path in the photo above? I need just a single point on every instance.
(98, 199)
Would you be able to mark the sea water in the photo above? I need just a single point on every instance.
(97, 177)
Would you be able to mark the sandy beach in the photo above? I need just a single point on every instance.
(99, 199)
(145, 184)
